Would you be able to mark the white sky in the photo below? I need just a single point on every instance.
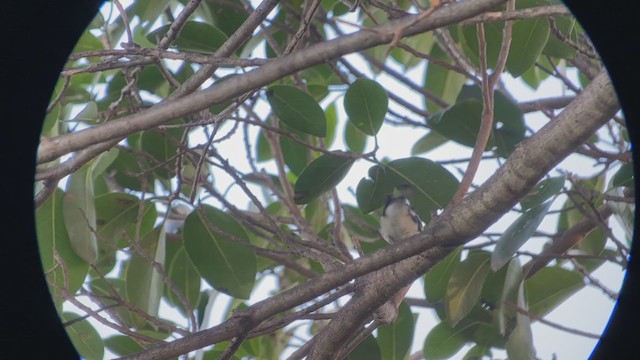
(396, 142)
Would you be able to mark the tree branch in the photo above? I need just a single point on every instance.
(528, 163)
(219, 92)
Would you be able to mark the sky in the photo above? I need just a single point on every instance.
(588, 310)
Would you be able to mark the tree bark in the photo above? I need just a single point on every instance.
(313, 55)
(529, 162)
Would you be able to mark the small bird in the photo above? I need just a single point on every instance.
(398, 221)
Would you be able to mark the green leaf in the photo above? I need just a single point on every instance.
(460, 122)
(103, 161)
(508, 120)
(144, 284)
(442, 82)
(125, 167)
(543, 191)
(366, 104)
(88, 42)
(227, 265)
(294, 154)
(520, 343)
(442, 342)
(109, 288)
(477, 352)
(263, 149)
(355, 139)
(149, 10)
(162, 146)
(431, 185)
(493, 37)
(428, 142)
(52, 235)
(227, 19)
(84, 337)
(624, 176)
(364, 226)
(436, 280)
(528, 39)
(89, 114)
(558, 48)
(80, 214)
(510, 290)
(122, 345)
(371, 194)
(297, 109)
(186, 278)
(395, 339)
(624, 213)
(117, 214)
(332, 124)
(194, 36)
(549, 287)
(465, 285)
(421, 42)
(517, 234)
(367, 350)
(320, 176)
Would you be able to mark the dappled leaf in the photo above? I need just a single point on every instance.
(226, 264)
(297, 109)
(517, 234)
(366, 104)
(320, 176)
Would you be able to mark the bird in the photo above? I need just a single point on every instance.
(398, 221)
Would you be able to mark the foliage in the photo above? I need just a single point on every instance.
(161, 218)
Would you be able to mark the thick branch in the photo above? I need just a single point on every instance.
(219, 92)
(535, 157)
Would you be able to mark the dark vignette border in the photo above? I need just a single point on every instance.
(36, 38)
